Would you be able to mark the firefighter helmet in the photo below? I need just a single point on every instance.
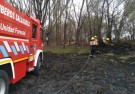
(92, 38)
(107, 39)
(95, 36)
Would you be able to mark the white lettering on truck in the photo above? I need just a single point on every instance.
(10, 29)
(7, 12)
(17, 31)
(22, 20)
(6, 28)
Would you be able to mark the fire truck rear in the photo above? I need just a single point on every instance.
(20, 45)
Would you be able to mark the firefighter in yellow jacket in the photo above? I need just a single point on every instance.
(93, 45)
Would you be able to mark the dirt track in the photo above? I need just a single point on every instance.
(106, 74)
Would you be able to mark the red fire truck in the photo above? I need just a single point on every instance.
(20, 45)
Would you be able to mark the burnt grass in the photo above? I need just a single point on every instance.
(105, 74)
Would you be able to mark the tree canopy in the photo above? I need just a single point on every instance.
(66, 22)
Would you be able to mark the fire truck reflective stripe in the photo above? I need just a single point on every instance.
(4, 61)
(16, 45)
(8, 61)
(20, 59)
(21, 48)
(4, 52)
(27, 49)
(7, 46)
(14, 50)
(31, 56)
(10, 38)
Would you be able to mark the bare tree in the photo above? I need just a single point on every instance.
(80, 21)
(65, 23)
(21, 5)
(111, 11)
(40, 9)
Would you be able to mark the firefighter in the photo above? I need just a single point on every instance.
(105, 44)
(93, 45)
(106, 41)
(91, 41)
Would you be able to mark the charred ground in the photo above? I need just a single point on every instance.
(111, 72)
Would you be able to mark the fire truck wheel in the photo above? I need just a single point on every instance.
(4, 82)
(37, 68)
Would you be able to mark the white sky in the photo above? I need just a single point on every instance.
(78, 2)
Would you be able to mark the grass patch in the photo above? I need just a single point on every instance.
(109, 54)
(131, 54)
(67, 50)
(126, 57)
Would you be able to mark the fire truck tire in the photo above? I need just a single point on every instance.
(37, 68)
(4, 82)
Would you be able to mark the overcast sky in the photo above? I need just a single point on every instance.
(78, 2)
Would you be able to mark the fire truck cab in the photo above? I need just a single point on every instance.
(20, 45)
